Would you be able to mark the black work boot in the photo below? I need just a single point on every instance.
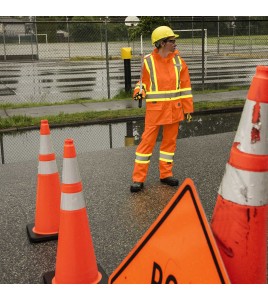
(136, 187)
(170, 181)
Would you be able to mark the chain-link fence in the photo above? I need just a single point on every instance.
(55, 61)
(67, 60)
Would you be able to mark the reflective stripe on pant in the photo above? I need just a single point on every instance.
(145, 149)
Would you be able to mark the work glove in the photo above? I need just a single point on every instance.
(137, 97)
(188, 118)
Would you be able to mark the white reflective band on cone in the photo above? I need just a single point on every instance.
(45, 145)
(243, 134)
(244, 187)
(73, 201)
(47, 167)
(70, 172)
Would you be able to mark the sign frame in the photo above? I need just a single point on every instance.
(187, 186)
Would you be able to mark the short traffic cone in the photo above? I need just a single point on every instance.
(47, 214)
(76, 260)
(239, 221)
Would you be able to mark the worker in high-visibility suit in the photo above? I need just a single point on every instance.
(166, 87)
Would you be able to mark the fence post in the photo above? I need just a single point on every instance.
(107, 59)
(203, 53)
(218, 44)
(68, 30)
(36, 39)
(32, 45)
(2, 149)
(4, 40)
(110, 135)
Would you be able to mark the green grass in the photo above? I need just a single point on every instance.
(208, 105)
(122, 95)
(24, 121)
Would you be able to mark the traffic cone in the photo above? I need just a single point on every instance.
(47, 214)
(239, 221)
(76, 260)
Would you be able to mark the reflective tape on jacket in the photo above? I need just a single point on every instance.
(166, 156)
(143, 158)
(169, 95)
(244, 187)
(178, 66)
(72, 201)
(47, 167)
(137, 86)
(149, 64)
(154, 94)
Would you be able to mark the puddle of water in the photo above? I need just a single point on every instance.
(34, 78)
(22, 146)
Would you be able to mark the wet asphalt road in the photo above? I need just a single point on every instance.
(118, 219)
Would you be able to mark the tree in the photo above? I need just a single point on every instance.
(50, 28)
(146, 26)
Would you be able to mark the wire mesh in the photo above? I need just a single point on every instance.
(60, 61)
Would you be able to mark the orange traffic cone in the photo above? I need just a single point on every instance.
(76, 261)
(47, 215)
(239, 221)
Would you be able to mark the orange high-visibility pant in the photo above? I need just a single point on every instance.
(146, 146)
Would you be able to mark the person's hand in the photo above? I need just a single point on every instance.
(138, 96)
(188, 118)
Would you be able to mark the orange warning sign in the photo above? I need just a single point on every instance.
(179, 247)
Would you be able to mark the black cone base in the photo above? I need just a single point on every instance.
(48, 276)
(38, 238)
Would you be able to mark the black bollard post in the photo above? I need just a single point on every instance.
(127, 68)
(126, 56)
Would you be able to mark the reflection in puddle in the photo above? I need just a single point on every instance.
(75, 79)
(75, 85)
(75, 91)
(37, 82)
(34, 78)
(45, 80)
(20, 146)
(200, 125)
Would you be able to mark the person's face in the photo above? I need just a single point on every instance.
(170, 44)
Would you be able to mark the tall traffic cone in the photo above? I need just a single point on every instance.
(47, 214)
(239, 221)
(76, 260)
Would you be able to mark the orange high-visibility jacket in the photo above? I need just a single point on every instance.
(167, 86)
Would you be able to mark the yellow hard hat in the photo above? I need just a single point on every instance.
(162, 32)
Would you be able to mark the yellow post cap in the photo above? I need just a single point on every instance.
(126, 53)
